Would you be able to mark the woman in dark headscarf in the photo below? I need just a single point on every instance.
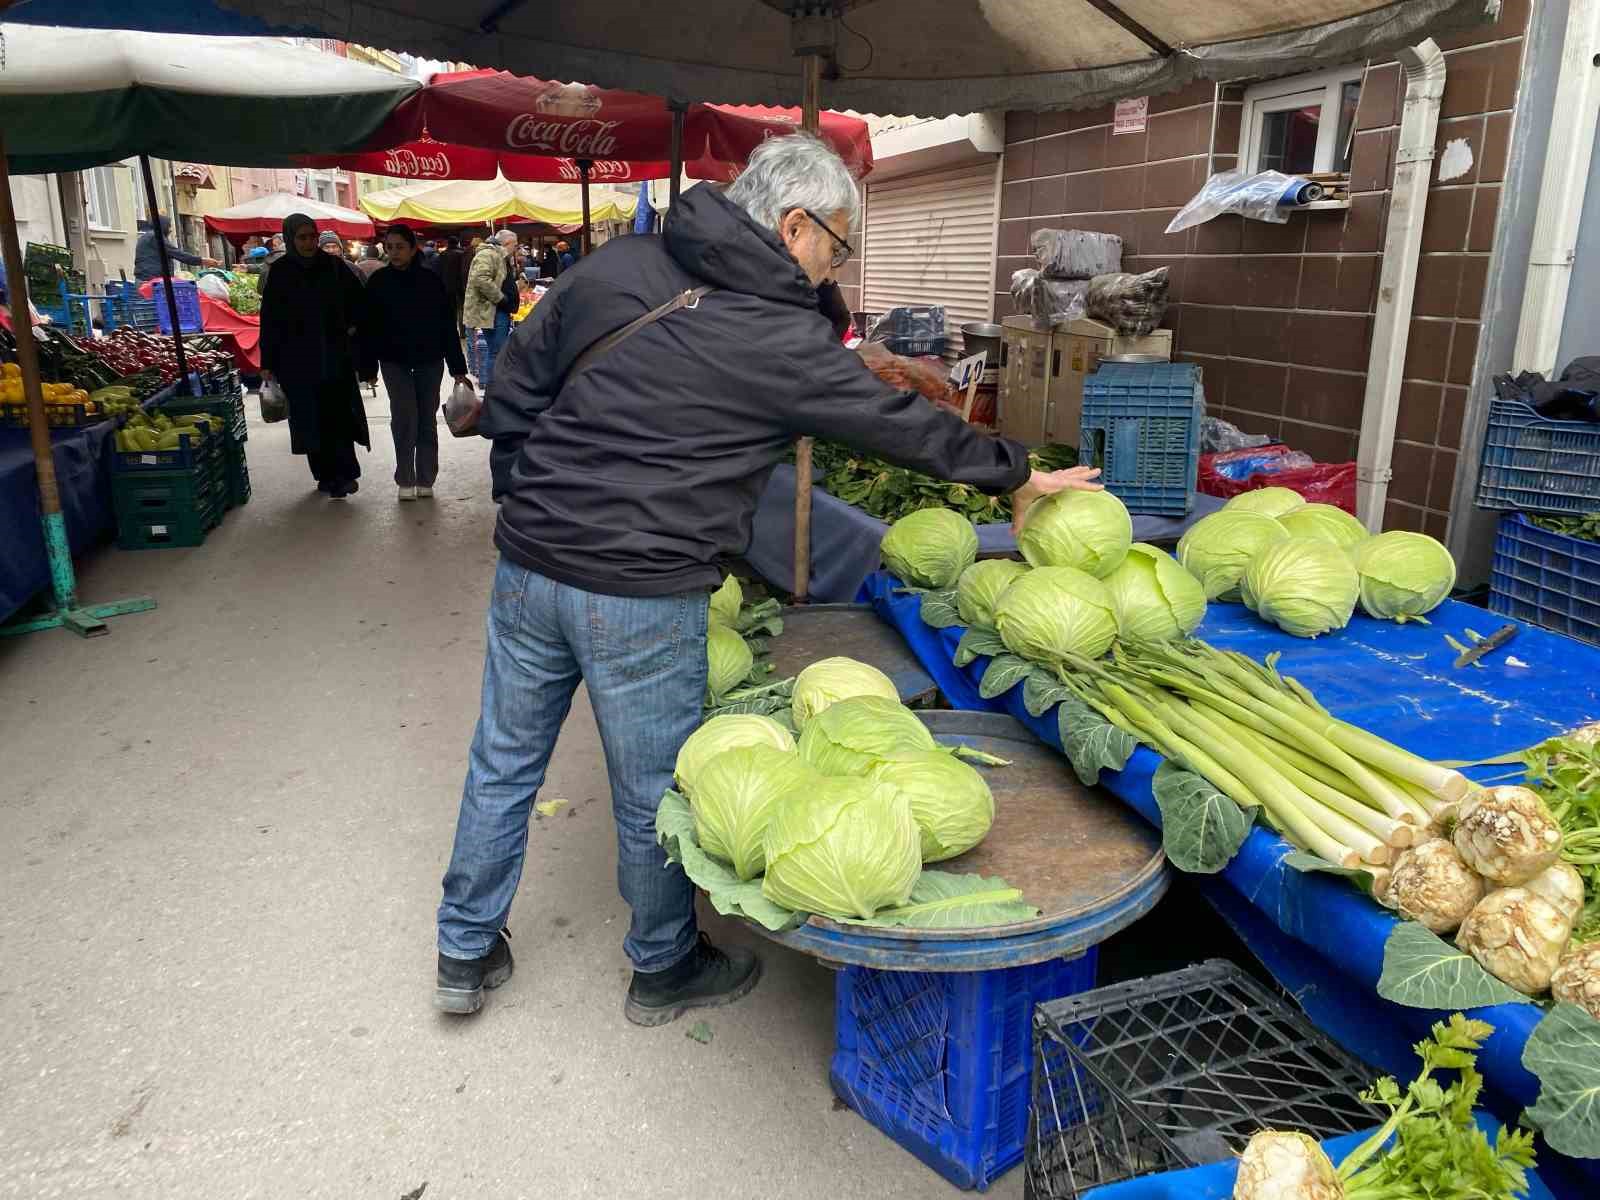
(310, 311)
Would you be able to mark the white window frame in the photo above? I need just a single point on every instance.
(1297, 91)
(103, 188)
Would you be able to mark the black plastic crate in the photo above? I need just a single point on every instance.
(1175, 1071)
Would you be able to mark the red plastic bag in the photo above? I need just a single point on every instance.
(1325, 483)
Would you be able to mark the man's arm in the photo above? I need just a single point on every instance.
(183, 256)
(525, 384)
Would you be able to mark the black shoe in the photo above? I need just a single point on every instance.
(462, 980)
(338, 491)
(707, 978)
(352, 486)
(324, 486)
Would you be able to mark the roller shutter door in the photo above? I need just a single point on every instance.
(930, 240)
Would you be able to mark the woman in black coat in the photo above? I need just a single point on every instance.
(410, 334)
(310, 312)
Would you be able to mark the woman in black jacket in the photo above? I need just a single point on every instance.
(311, 309)
(410, 335)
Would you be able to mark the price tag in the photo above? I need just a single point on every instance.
(148, 460)
(968, 369)
(158, 531)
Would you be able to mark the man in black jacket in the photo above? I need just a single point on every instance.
(621, 485)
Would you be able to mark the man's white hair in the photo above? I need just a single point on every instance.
(795, 170)
(506, 237)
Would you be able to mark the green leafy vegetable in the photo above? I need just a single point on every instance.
(950, 801)
(1324, 521)
(930, 549)
(1092, 743)
(938, 609)
(1564, 1052)
(1586, 526)
(1042, 691)
(978, 643)
(729, 895)
(1269, 501)
(728, 661)
(1422, 970)
(1304, 586)
(980, 586)
(1004, 672)
(724, 733)
(1089, 531)
(1201, 829)
(733, 800)
(726, 602)
(842, 847)
(1403, 575)
(830, 680)
(941, 900)
(1155, 599)
(1217, 549)
(1053, 612)
(849, 737)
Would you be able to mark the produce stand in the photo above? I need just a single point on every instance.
(1392, 678)
(932, 1027)
(845, 540)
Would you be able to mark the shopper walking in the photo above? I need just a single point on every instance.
(409, 334)
(453, 270)
(485, 302)
(310, 311)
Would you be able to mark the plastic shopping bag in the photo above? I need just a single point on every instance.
(274, 404)
(462, 408)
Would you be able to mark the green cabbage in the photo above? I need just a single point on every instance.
(950, 801)
(930, 549)
(1304, 586)
(728, 660)
(1217, 549)
(831, 680)
(847, 738)
(1155, 599)
(1326, 522)
(1054, 611)
(726, 602)
(734, 797)
(1403, 575)
(978, 590)
(726, 733)
(842, 848)
(1268, 501)
(1087, 530)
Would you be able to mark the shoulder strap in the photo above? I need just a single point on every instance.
(685, 299)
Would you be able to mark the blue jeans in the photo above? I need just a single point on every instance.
(644, 659)
(494, 341)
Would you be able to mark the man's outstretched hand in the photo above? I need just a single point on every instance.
(1043, 483)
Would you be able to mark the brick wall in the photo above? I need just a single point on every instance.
(1280, 316)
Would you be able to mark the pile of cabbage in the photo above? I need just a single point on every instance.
(840, 821)
(735, 642)
(1304, 567)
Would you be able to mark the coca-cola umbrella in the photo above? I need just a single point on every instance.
(428, 159)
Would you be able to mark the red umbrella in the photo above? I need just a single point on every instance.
(426, 158)
(733, 131)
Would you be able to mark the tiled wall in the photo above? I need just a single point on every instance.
(1280, 316)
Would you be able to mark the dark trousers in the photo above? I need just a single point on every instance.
(334, 460)
(413, 419)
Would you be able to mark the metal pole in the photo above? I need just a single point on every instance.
(678, 112)
(811, 122)
(168, 285)
(583, 182)
(58, 549)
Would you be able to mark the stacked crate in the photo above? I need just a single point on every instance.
(227, 405)
(166, 498)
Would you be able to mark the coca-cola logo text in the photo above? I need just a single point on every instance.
(599, 170)
(409, 163)
(574, 139)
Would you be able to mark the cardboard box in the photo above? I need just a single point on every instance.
(1083, 344)
(1041, 380)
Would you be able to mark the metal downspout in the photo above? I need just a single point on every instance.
(1391, 324)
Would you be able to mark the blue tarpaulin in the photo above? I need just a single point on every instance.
(1396, 680)
(84, 478)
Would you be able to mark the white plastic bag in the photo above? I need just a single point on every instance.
(274, 404)
(462, 408)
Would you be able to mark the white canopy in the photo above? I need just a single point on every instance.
(265, 214)
(476, 202)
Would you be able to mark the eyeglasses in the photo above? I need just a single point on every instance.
(842, 254)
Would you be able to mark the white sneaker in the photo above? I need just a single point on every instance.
(424, 493)
(408, 493)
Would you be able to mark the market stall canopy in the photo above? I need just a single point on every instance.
(264, 216)
(475, 202)
(890, 56)
(71, 99)
(537, 118)
(429, 160)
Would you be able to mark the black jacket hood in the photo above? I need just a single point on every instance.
(713, 238)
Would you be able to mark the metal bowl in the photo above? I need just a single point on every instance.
(1134, 358)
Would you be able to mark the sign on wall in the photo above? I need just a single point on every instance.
(1131, 115)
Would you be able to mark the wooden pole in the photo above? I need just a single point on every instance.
(168, 284)
(584, 166)
(811, 122)
(678, 111)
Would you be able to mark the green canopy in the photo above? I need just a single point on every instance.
(77, 98)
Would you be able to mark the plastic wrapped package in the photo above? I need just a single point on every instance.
(1048, 301)
(911, 323)
(1264, 196)
(1133, 305)
(1076, 253)
(1217, 435)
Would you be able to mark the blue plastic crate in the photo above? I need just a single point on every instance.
(941, 1062)
(1141, 427)
(1546, 578)
(1536, 465)
(188, 306)
(125, 306)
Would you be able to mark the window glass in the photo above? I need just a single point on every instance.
(1289, 140)
(1349, 98)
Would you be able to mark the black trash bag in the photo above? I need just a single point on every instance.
(1133, 305)
(1076, 253)
(1048, 301)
